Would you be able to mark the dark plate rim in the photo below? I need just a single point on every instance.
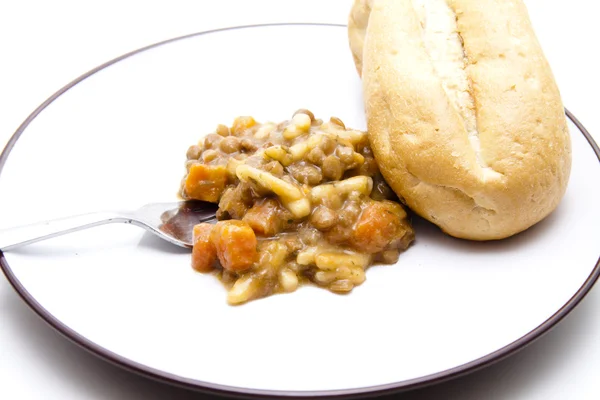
(241, 392)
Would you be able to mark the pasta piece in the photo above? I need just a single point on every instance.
(307, 256)
(281, 154)
(361, 184)
(269, 181)
(291, 196)
(299, 150)
(332, 260)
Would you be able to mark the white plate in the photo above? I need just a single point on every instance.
(117, 136)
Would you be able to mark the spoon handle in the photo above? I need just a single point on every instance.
(12, 238)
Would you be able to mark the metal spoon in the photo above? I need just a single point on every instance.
(172, 222)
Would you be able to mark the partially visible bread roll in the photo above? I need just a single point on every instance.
(357, 29)
(464, 116)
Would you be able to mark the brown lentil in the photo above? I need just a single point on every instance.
(350, 212)
(194, 152)
(248, 145)
(332, 168)
(306, 174)
(212, 141)
(337, 121)
(323, 218)
(309, 236)
(316, 156)
(230, 144)
(328, 145)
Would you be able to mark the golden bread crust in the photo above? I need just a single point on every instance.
(491, 184)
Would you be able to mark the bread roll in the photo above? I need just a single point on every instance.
(464, 116)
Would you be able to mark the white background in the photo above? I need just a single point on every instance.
(46, 44)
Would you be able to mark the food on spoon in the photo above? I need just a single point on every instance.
(299, 201)
(464, 116)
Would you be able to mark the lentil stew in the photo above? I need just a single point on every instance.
(299, 201)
